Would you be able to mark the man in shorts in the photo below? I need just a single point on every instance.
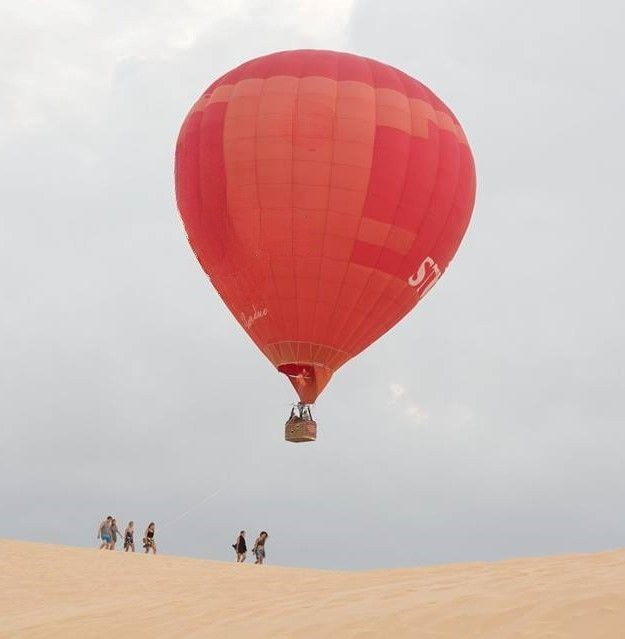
(104, 533)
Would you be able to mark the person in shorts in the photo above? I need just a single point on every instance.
(259, 547)
(104, 533)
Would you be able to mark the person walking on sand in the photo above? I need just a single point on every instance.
(114, 533)
(259, 547)
(149, 542)
(240, 547)
(129, 537)
(104, 533)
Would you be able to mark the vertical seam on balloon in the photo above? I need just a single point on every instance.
(452, 202)
(468, 219)
(438, 165)
(235, 271)
(259, 333)
(460, 163)
(339, 295)
(334, 118)
(199, 189)
(281, 322)
(346, 262)
(317, 334)
(200, 177)
(241, 281)
(277, 314)
(201, 162)
(260, 209)
(293, 116)
(244, 295)
(350, 336)
(313, 356)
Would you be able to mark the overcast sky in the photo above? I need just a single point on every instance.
(487, 424)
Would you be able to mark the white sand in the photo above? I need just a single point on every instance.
(58, 591)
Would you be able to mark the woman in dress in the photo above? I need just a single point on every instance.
(149, 542)
(129, 537)
(240, 547)
(259, 547)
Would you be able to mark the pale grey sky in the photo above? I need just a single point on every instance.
(488, 424)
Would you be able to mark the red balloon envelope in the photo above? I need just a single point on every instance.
(323, 194)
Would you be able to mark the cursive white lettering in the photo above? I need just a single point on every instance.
(249, 320)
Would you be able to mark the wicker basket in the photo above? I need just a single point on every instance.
(300, 430)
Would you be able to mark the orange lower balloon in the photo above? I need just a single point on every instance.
(323, 194)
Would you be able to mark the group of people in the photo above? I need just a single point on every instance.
(240, 547)
(108, 532)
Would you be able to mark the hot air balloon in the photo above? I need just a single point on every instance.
(324, 194)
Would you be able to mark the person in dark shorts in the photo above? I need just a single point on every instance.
(129, 537)
(259, 547)
(240, 547)
(149, 542)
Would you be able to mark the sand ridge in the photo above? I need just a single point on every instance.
(59, 591)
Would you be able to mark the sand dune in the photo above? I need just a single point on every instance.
(57, 591)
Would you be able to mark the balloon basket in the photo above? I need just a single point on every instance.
(300, 430)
